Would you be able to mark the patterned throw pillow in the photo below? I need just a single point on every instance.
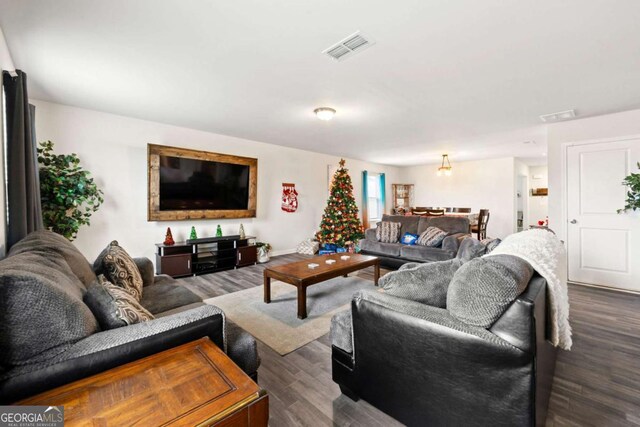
(432, 236)
(388, 232)
(120, 269)
(113, 306)
(409, 239)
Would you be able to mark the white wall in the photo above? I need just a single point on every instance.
(477, 185)
(521, 173)
(601, 127)
(114, 149)
(538, 205)
(6, 63)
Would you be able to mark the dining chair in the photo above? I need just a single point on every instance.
(435, 212)
(481, 227)
(419, 211)
(461, 210)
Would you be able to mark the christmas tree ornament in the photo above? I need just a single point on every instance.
(241, 232)
(193, 235)
(340, 222)
(219, 231)
(289, 197)
(168, 238)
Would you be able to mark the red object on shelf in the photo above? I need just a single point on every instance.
(541, 223)
(168, 239)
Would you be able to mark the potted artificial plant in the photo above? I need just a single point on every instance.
(633, 193)
(263, 252)
(68, 194)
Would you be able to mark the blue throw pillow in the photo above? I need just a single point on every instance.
(409, 239)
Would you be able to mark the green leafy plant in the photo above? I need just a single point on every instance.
(68, 193)
(266, 246)
(633, 194)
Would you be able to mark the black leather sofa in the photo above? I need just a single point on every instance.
(427, 369)
(393, 255)
(49, 336)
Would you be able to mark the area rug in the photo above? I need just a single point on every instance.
(276, 324)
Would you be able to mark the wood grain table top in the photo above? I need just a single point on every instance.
(300, 269)
(193, 384)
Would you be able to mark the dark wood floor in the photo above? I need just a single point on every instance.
(596, 384)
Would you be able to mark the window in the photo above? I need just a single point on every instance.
(374, 200)
(375, 196)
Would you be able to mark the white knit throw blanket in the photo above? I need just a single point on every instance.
(547, 255)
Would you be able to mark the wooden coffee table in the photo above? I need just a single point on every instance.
(301, 276)
(193, 384)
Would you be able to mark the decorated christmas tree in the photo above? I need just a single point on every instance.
(340, 221)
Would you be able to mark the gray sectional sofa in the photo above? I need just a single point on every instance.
(396, 254)
(50, 337)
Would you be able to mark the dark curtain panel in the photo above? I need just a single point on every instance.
(23, 183)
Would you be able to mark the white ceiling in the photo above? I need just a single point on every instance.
(465, 77)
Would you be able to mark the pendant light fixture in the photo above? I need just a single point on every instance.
(445, 168)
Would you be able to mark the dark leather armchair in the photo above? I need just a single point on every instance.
(422, 366)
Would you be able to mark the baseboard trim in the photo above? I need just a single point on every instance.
(605, 288)
(283, 252)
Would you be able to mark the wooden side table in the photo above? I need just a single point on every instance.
(193, 384)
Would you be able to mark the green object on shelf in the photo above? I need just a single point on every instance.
(219, 231)
(193, 234)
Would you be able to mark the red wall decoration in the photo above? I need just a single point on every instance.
(289, 197)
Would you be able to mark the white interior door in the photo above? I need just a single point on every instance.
(603, 246)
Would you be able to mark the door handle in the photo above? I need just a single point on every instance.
(573, 221)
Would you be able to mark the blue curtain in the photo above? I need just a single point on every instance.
(365, 200)
(383, 193)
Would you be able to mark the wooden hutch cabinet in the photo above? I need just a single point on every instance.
(402, 197)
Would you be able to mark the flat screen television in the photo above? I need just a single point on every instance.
(192, 184)
(189, 184)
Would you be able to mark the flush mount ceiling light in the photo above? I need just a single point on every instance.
(445, 168)
(324, 113)
(559, 116)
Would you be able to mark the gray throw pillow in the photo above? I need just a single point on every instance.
(388, 232)
(45, 241)
(120, 269)
(425, 283)
(470, 248)
(491, 243)
(113, 306)
(41, 308)
(483, 288)
(432, 237)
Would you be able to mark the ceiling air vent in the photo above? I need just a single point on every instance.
(349, 46)
(559, 116)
